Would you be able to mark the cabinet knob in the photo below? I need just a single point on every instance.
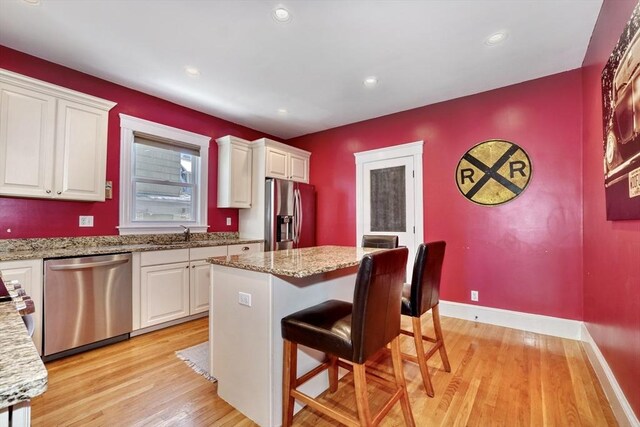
(245, 248)
(58, 192)
(48, 191)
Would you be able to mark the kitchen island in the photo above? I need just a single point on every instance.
(250, 294)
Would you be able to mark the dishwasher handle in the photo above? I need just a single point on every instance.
(81, 265)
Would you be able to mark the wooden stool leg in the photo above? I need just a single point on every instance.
(435, 314)
(398, 371)
(333, 373)
(420, 353)
(290, 357)
(362, 399)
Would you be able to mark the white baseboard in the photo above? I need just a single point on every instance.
(619, 403)
(167, 324)
(555, 326)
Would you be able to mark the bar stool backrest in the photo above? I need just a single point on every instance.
(375, 319)
(425, 282)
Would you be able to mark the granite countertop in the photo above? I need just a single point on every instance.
(20, 249)
(22, 373)
(297, 262)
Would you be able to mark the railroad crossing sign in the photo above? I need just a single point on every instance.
(493, 172)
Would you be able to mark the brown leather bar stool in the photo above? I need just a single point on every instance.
(419, 297)
(352, 332)
(379, 241)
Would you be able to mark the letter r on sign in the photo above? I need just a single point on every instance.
(466, 173)
(517, 166)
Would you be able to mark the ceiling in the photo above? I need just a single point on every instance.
(313, 66)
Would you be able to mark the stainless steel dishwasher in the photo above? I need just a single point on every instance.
(87, 303)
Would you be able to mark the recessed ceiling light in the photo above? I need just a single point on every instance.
(192, 71)
(281, 14)
(282, 111)
(32, 2)
(496, 38)
(370, 81)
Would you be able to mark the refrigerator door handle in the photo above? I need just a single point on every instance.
(300, 217)
(296, 209)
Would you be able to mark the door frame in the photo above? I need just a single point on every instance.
(412, 149)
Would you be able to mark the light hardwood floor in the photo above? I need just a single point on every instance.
(500, 377)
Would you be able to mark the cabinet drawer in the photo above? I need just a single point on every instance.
(246, 248)
(164, 257)
(207, 252)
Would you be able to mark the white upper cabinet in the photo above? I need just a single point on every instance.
(277, 163)
(299, 167)
(53, 141)
(234, 172)
(283, 161)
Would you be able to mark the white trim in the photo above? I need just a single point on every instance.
(167, 324)
(266, 142)
(619, 403)
(159, 230)
(555, 326)
(54, 90)
(129, 125)
(403, 150)
(414, 149)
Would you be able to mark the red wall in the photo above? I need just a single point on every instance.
(611, 249)
(524, 255)
(48, 218)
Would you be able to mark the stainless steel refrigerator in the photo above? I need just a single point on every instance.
(290, 217)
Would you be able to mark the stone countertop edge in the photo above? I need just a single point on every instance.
(298, 263)
(22, 374)
(116, 249)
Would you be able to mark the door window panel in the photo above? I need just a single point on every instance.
(388, 199)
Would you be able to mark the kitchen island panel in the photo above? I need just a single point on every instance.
(246, 342)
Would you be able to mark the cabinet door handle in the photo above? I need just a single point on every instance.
(58, 192)
(245, 248)
(48, 191)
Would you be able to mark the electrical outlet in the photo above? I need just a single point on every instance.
(244, 299)
(86, 221)
(228, 220)
(474, 295)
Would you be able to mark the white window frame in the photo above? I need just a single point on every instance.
(128, 126)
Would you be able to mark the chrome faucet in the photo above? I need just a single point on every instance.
(186, 232)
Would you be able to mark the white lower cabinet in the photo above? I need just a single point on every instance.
(199, 289)
(201, 277)
(173, 284)
(29, 274)
(164, 291)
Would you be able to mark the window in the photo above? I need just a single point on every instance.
(163, 178)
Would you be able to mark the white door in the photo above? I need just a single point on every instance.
(199, 283)
(29, 274)
(81, 151)
(164, 293)
(27, 124)
(389, 194)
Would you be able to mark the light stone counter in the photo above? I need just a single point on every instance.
(21, 249)
(298, 263)
(22, 373)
